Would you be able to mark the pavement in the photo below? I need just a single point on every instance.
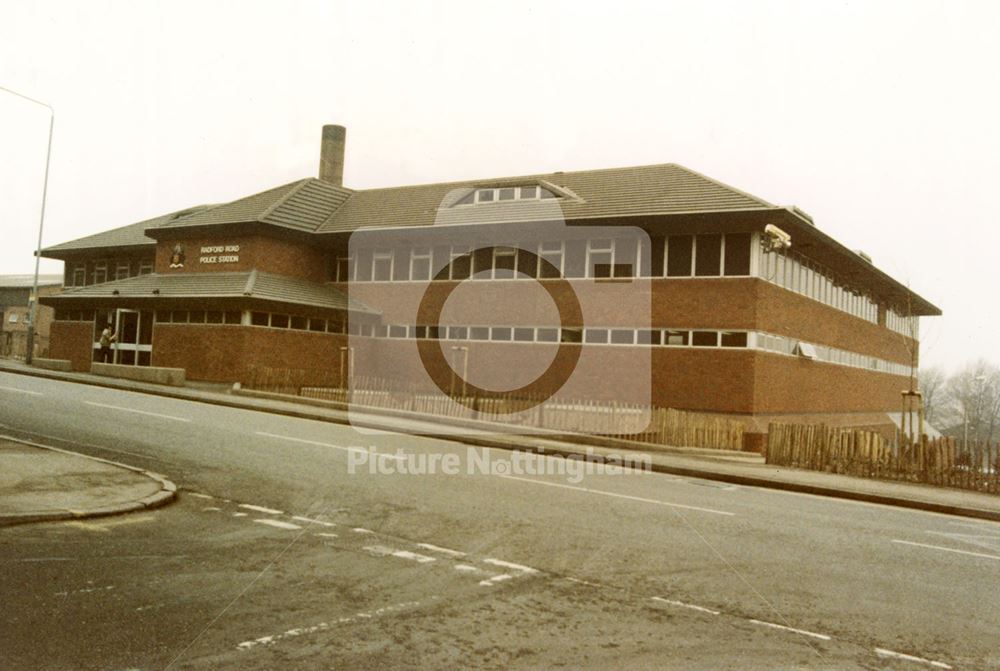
(738, 468)
(39, 483)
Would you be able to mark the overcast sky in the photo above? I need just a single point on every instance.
(880, 119)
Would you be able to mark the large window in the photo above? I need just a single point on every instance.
(707, 255)
(382, 266)
(505, 194)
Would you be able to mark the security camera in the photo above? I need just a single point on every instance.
(776, 239)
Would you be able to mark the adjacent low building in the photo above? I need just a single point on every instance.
(730, 319)
(15, 308)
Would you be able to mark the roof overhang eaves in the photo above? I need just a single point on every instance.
(888, 286)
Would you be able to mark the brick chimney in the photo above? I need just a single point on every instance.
(331, 155)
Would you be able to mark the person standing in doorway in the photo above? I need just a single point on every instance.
(107, 337)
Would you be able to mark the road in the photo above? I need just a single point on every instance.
(276, 556)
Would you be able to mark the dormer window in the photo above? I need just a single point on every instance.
(506, 194)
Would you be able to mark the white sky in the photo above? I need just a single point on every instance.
(880, 119)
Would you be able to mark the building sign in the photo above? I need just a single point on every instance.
(220, 254)
(177, 256)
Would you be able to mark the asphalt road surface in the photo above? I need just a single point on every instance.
(276, 556)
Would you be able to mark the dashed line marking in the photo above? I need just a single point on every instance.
(322, 626)
(944, 549)
(362, 530)
(489, 582)
(690, 606)
(813, 634)
(278, 524)
(510, 565)
(466, 568)
(383, 551)
(261, 509)
(139, 412)
(239, 514)
(326, 535)
(444, 551)
(210, 509)
(22, 391)
(882, 652)
(85, 590)
(312, 521)
(200, 496)
(588, 583)
(619, 496)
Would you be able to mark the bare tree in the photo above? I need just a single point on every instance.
(932, 382)
(976, 393)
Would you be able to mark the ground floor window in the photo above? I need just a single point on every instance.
(133, 331)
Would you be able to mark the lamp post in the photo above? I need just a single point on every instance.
(33, 311)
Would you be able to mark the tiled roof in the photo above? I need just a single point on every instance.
(124, 236)
(614, 192)
(252, 284)
(303, 206)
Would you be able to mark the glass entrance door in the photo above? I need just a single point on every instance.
(134, 344)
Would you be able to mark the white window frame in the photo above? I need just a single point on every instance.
(127, 266)
(80, 268)
(456, 252)
(384, 255)
(351, 268)
(145, 266)
(510, 251)
(419, 253)
(543, 252)
(592, 250)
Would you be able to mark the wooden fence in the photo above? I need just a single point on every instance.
(643, 423)
(941, 461)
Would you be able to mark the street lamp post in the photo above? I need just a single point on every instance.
(33, 312)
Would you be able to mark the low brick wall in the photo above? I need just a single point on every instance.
(64, 365)
(171, 376)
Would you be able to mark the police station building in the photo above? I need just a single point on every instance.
(730, 317)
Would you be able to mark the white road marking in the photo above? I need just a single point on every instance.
(620, 496)
(673, 602)
(383, 551)
(85, 590)
(465, 568)
(882, 652)
(507, 564)
(278, 523)
(312, 521)
(261, 509)
(361, 530)
(588, 583)
(22, 391)
(444, 551)
(489, 582)
(944, 549)
(322, 626)
(200, 496)
(822, 637)
(139, 412)
(326, 535)
(397, 457)
(210, 508)
(239, 514)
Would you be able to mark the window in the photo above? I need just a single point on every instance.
(506, 194)
(145, 266)
(737, 254)
(705, 338)
(196, 316)
(733, 339)
(708, 255)
(300, 323)
(344, 269)
(479, 333)
(501, 333)
(279, 321)
(461, 263)
(382, 266)
(79, 275)
(503, 263)
(181, 317)
(679, 255)
(234, 317)
(675, 338)
(522, 334)
(596, 336)
(457, 333)
(485, 195)
(529, 192)
(397, 331)
(600, 258)
(550, 259)
(622, 336)
(100, 272)
(122, 270)
(213, 317)
(420, 263)
(648, 337)
(570, 335)
(549, 335)
(318, 325)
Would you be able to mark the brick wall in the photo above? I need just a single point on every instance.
(267, 254)
(73, 341)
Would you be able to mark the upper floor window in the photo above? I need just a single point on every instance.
(506, 193)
